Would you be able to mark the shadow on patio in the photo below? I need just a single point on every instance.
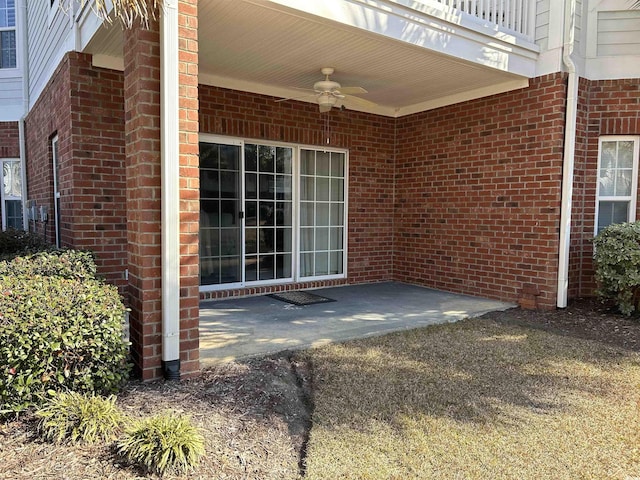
(237, 328)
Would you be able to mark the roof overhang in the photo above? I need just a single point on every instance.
(411, 56)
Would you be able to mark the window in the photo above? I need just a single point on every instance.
(11, 194)
(617, 181)
(8, 34)
(270, 213)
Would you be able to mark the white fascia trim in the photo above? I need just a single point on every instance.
(12, 113)
(613, 68)
(170, 160)
(427, 27)
(463, 97)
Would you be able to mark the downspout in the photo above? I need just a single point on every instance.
(170, 160)
(21, 123)
(569, 154)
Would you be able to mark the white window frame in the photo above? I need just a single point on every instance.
(12, 70)
(632, 199)
(56, 191)
(4, 198)
(295, 221)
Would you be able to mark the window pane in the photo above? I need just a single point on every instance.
(608, 155)
(322, 164)
(251, 185)
(337, 214)
(337, 164)
(283, 266)
(612, 212)
(625, 154)
(335, 263)
(322, 214)
(209, 271)
(306, 213)
(251, 157)
(322, 263)
(229, 157)
(12, 181)
(251, 268)
(267, 187)
(283, 187)
(14, 214)
(607, 183)
(8, 49)
(251, 240)
(335, 238)
(322, 239)
(209, 242)
(209, 213)
(266, 267)
(283, 213)
(306, 264)
(283, 240)
(306, 239)
(307, 162)
(209, 184)
(307, 188)
(209, 155)
(283, 160)
(322, 188)
(266, 157)
(266, 213)
(228, 241)
(337, 189)
(251, 215)
(623, 183)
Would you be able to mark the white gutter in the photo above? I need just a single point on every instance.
(170, 159)
(21, 122)
(569, 153)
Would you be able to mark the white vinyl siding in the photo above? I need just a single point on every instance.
(618, 33)
(542, 24)
(617, 180)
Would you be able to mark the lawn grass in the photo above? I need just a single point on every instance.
(474, 400)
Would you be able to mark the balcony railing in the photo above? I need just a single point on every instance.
(515, 15)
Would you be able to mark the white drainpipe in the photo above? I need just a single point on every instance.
(170, 154)
(569, 153)
(21, 123)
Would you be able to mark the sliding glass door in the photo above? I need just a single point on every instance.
(270, 213)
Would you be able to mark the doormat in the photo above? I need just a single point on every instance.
(300, 298)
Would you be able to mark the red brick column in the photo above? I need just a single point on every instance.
(142, 147)
(189, 186)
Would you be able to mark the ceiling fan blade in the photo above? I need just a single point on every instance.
(325, 108)
(352, 90)
(296, 98)
(351, 100)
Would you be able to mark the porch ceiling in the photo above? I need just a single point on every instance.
(271, 48)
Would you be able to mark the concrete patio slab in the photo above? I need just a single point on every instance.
(244, 327)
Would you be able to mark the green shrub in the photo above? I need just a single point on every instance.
(13, 242)
(73, 264)
(58, 334)
(74, 416)
(163, 443)
(617, 264)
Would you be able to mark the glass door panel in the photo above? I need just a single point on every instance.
(268, 207)
(220, 224)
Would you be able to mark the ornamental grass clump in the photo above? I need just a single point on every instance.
(617, 264)
(76, 417)
(163, 443)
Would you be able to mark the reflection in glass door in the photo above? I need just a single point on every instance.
(258, 248)
(220, 223)
(268, 207)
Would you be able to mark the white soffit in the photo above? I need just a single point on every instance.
(393, 51)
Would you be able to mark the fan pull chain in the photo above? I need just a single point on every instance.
(326, 126)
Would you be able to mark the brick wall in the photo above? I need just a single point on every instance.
(370, 140)
(50, 116)
(189, 188)
(83, 106)
(9, 140)
(606, 107)
(478, 194)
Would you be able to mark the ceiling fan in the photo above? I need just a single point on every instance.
(330, 94)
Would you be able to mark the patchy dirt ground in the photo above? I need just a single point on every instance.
(256, 414)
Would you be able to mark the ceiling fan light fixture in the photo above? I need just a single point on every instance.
(327, 100)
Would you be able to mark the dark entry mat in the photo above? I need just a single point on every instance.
(300, 298)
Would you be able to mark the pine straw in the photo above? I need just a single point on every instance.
(475, 400)
(252, 416)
